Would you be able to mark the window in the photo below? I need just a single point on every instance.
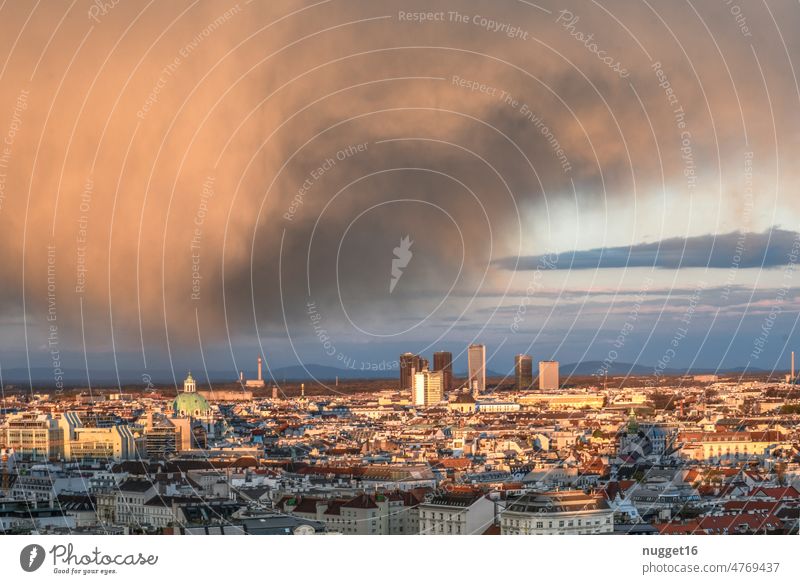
(539, 524)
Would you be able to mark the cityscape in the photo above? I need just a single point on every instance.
(399, 268)
(424, 453)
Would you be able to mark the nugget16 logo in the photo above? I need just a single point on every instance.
(31, 557)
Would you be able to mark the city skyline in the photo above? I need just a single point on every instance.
(407, 268)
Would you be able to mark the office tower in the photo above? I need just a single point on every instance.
(443, 361)
(476, 357)
(523, 369)
(548, 374)
(409, 365)
(428, 388)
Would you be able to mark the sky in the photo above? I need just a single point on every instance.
(189, 184)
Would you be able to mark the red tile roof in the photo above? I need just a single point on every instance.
(723, 524)
(776, 493)
(456, 463)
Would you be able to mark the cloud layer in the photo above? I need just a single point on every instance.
(768, 249)
(189, 176)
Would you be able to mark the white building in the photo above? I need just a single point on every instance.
(115, 443)
(35, 436)
(456, 514)
(557, 513)
(428, 387)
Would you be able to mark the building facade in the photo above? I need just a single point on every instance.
(548, 375)
(115, 443)
(428, 388)
(35, 436)
(523, 372)
(443, 361)
(409, 365)
(476, 358)
(456, 514)
(557, 513)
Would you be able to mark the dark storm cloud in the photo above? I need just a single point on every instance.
(769, 249)
(274, 101)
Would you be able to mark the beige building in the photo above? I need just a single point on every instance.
(164, 436)
(563, 401)
(35, 436)
(548, 375)
(716, 446)
(64, 437)
(114, 443)
(557, 513)
(462, 403)
(456, 514)
(428, 388)
(393, 513)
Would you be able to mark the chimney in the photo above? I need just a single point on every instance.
(792, 366)
(241, 376)
(259, 369)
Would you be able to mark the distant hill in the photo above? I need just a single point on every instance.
(592, 367)
(586, 368)
(325, 372)
(43, 376)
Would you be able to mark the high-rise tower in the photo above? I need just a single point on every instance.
(409, 365)
(548, 374)
(443, 361)
(476, 357)
(523, 372)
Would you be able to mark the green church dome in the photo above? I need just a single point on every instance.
(190, 404)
